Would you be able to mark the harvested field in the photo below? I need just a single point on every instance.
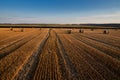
(56, 54)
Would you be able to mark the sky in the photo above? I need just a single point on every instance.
(60, 11)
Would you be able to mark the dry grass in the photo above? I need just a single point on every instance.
(52, 54)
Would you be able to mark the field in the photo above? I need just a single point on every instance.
(59, 54)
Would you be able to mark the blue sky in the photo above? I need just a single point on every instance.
(59, 11)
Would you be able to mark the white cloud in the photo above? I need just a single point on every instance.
(101, 18)
(98, 18)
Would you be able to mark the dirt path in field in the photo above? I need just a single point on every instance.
(69, 68)
(48, 68)
(54, 64)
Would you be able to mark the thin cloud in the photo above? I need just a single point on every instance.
(99, 18)
(104, 18)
